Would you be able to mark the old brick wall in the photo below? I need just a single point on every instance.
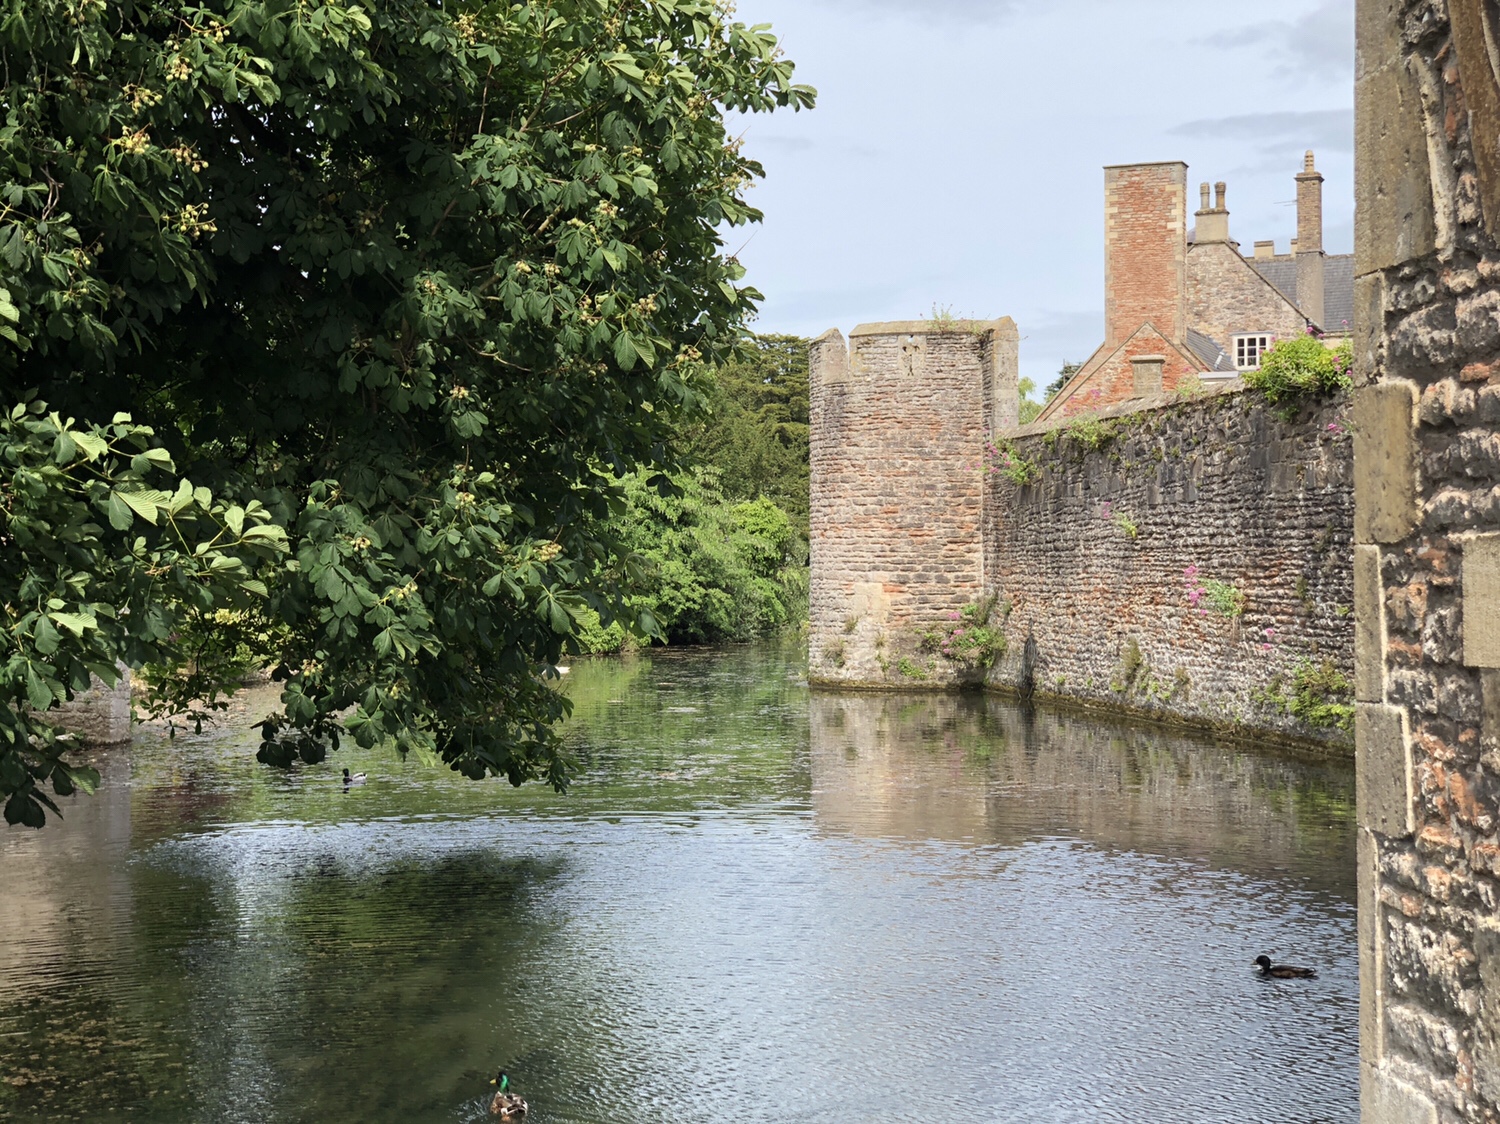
(1145, 249)
(1427, 563)
(898, 426)
(1225, 295)
(1109, 379)
(1103, 563)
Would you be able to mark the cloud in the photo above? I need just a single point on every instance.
(1327, 130)
(1321, 42)
(937, 11)
(798, 146)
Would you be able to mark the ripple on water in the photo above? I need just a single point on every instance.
(757, 902)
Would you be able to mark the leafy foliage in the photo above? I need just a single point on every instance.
(1302, 368)
(970, 638)
(99, 565)
(1030, 409)
(1064, 376)
(1002, 458)
(710, 569)
(1092, 432)
(421, 281)
(755, 429)
(1320, 696)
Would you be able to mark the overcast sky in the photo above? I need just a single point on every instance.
(955, 157)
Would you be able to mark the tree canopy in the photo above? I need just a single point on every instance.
(413, 285)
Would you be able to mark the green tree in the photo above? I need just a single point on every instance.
(755, 427)
(1064, 376)
(421, 281)
(1029, 407)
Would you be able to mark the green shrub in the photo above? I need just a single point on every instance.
(708, 570)
(1302, 368)
(1090, 432)
(1225, 599)
(1321, 696)
(1002, 459)
(969, 638)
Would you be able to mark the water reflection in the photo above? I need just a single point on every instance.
(757, 902)
(977, 769)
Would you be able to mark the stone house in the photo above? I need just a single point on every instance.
(1182, 305)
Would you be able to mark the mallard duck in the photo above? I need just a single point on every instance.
(356, 778)
(505, 1104)
(1282, 971)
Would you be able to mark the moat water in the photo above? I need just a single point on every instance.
(757, 902)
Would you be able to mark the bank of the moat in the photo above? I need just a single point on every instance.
(1187, 558)
(754, 890)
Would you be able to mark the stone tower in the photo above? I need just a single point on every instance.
(900, 420)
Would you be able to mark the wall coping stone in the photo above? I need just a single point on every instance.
(931, 327)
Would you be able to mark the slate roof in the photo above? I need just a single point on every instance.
(1338, 286)
(1210, 354)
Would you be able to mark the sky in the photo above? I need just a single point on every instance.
(955, 158)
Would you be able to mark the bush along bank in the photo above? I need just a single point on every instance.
(708, 569)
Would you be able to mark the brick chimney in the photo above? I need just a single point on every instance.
(1212, 222)
(1309, 244)
(1145, 250)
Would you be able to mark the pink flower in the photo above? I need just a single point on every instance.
(1265, 647)
(955, 616)
(1334, 427)
(1190, 572)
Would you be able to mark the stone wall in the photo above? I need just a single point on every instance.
(1427, 563)
(100, 715)
(899, 421)
(1105, 564)
(1226, 295)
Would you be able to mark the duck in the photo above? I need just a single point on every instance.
(1282, 971)
(505, 1104)
(356, 778)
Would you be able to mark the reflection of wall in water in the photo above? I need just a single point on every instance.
(978, 768)
(76, 858)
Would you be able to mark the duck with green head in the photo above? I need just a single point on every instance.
(505, 1104)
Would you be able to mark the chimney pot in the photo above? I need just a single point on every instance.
(1308, 165)
(1203, 194)
(1219, 191)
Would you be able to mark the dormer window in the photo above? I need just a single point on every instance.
(1248, 349)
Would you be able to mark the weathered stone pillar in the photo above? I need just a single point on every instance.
(1427, 560)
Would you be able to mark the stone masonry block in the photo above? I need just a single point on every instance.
(1482, 601)
(1476, 70)
(1383, 776)
(1386, 509)
(829, 359)
(1487, 1031)
(1371, 962)
(1394, 216)
(1003, 359)
(1369, 626)
(1368, 326)
(1386, 1099)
